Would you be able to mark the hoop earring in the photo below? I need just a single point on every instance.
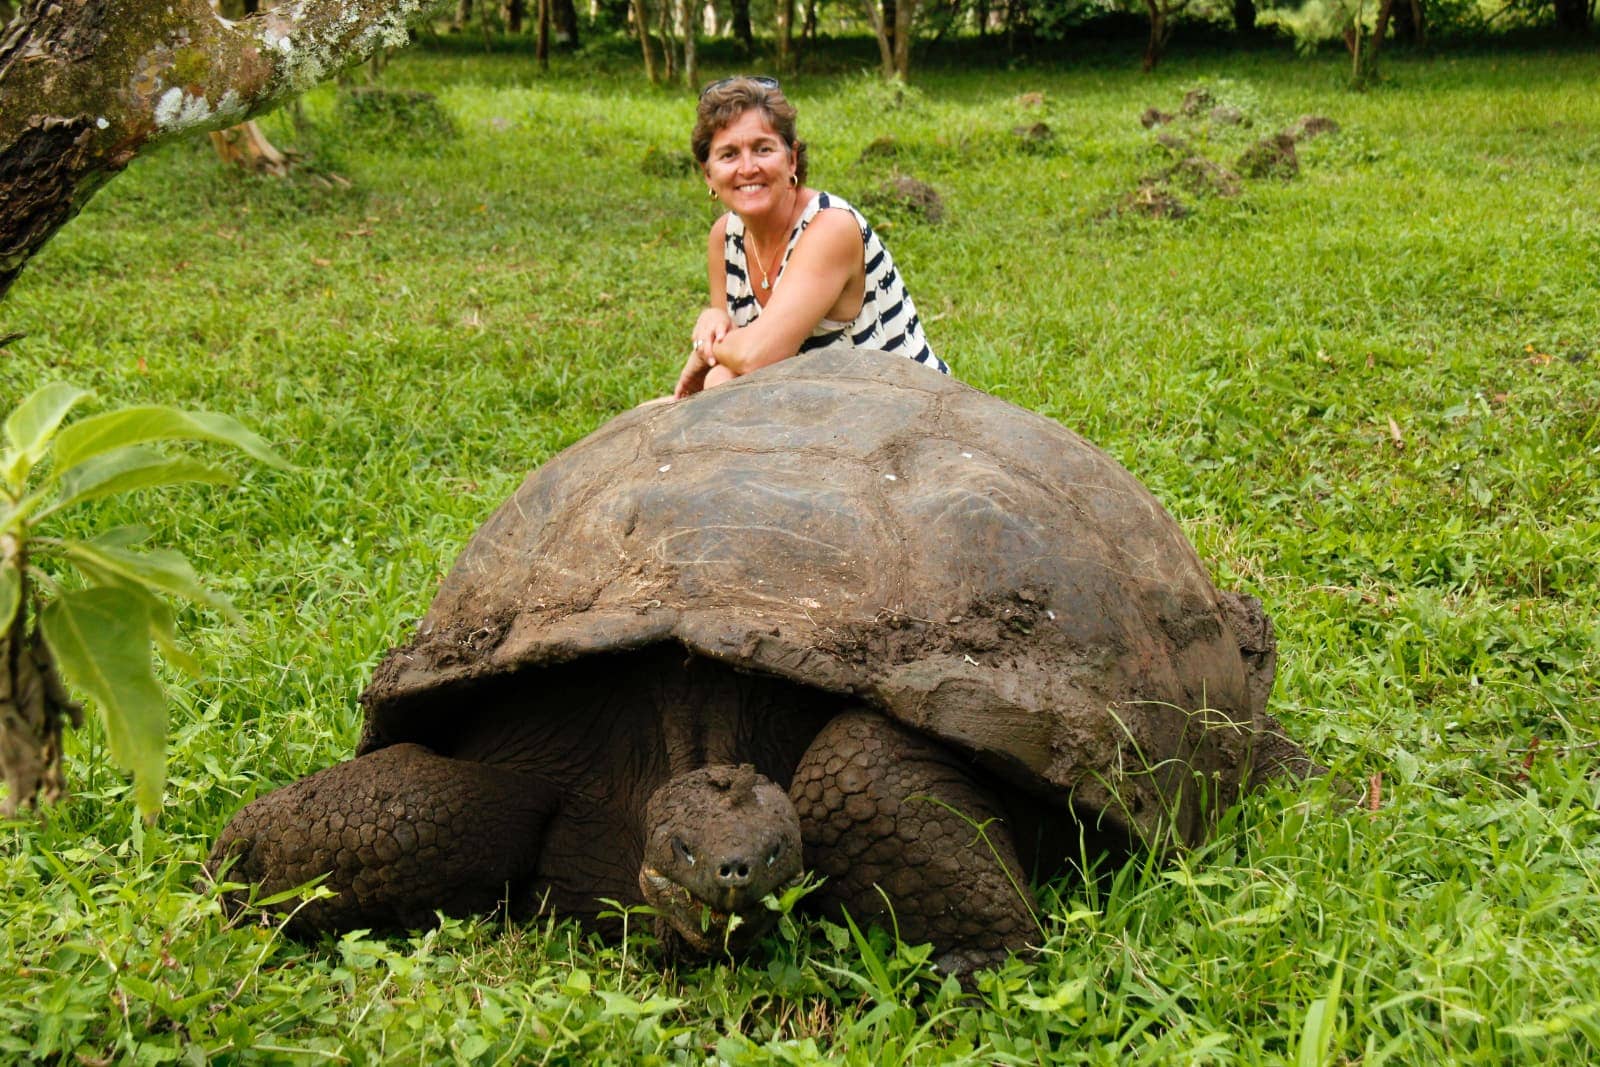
(794, 180)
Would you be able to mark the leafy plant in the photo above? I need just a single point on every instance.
(94, 629)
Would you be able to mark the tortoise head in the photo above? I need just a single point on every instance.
(719, 839)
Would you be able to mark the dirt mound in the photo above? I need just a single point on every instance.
(1307, 127)
(1203, 176)
(1271, 157)
(667, 162)
(1203, 126)
(1153, 199)
(906, 196)
(885, 147)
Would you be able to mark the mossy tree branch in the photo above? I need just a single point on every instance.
(86, 84)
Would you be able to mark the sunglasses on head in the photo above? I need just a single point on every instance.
(760, 79)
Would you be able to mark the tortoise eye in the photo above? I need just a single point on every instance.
(683, 851)
(772, 857)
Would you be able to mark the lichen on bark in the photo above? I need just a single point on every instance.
(123, 74)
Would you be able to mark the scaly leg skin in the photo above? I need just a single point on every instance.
(400, 833)
(881, 806)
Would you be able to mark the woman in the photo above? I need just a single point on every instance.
(792, 269)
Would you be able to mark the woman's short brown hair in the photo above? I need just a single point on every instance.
(725, 101)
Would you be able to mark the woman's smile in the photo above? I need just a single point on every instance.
(749, 164)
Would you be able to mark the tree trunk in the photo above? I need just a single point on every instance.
(1364, 61)
(904, 10)
(1244, 17)
(1158, 35)
(463, 15)
(1409, 24)
(783, 10)
(103, 80)
(669, 45)
(691, 29)
(1572, 15)
(741, 26)
(512, 13)
(881, 34)
(641, 20)
(541, 41)
(564, 21)
(1019, 27)
(246, 147)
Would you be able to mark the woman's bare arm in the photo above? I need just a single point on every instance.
(827, 257)
(714, 322)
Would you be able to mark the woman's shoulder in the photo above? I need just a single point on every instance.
(825, 200)
(825, 204)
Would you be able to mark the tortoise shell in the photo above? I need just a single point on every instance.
(864, 526)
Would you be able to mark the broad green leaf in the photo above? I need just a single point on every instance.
(101, 641)
(34, 422)
(126, 469)
(622, 1004)
(138, 425)
(163, 619)
(1069, 993)
(160, 569)
(10, 594)
(122, 536)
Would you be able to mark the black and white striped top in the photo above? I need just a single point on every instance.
(887, 320)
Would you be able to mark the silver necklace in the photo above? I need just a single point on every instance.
(750, 245)
(766, 283)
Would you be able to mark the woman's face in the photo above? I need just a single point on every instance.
(749, 165)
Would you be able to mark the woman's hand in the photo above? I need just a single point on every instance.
(712, 326)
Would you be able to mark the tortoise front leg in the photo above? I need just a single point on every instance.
(400, 833)
(884, 808)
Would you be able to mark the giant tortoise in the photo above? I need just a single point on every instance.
(844, 615)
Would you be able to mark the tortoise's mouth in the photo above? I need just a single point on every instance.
(729, 925)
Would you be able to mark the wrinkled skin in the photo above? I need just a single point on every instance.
(720, 839)
(679, 784)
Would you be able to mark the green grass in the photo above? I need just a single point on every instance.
(467, 307)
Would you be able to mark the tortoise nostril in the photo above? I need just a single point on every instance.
(734, 872)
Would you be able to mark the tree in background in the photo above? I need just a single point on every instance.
(1162, 14)
(891, 26)
(1574, 16)
(85, 87)
(739, 19)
